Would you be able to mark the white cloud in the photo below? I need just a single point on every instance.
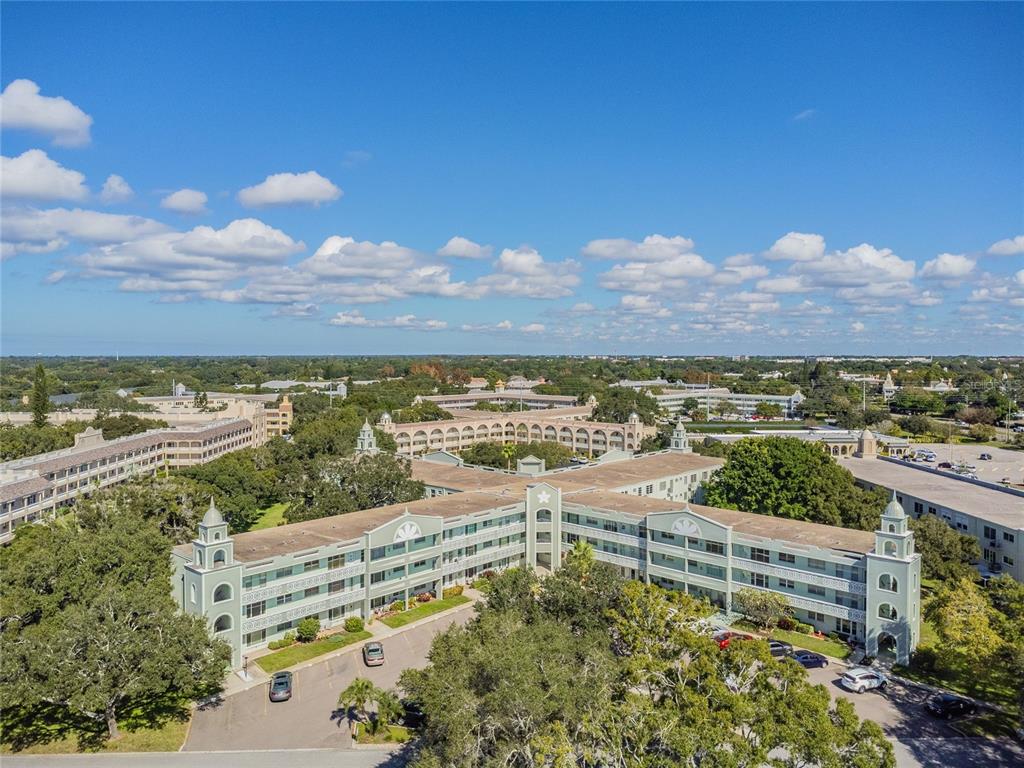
(656, 277)
(582, 307)
(188, 201)
(948, 266)
(7, 250)
(788, 284)
(30, 225)
(461, 248)
(925, 299)
(523, 272)
(355, 318)
(34, 175)
(857, 326)
(651, 248)
(861, 265)
(1011, 246)
(22, 106)
(532, 328)
(643, 305)
(346, 257)
(297, 310)
(116, 190)
(1019, 277)
(734, 275)
(55, 276)
(797, 246)
(245, 240)
(806, 114)
(309, 188)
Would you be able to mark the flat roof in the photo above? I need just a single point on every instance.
(795, 531)
(650, 466)
(458, 478)
(995, 506)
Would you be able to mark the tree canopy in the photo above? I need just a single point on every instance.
(617, 403)
(491, 453)
(945, 552)
(789, 477)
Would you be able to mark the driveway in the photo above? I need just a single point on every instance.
(921, 741)
(310, 720)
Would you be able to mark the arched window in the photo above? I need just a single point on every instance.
(222, 623)
(892, 528)
(543, 515)
(216, 536)
(218, 558)
(199, 557)
(886, 611)
(888, 582)
(222, 593)
(192, 593)
(890, 549)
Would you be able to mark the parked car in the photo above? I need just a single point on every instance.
(860, 679)
(948, 705)
(780, 648)
(373, 654)
(945, 465)
(986, 457)
(412, 714)
(281, 686)
(810, 659)
(724, 638)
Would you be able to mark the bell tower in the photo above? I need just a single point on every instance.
(680, 440)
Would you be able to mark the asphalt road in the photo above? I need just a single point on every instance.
(314, 758)
(311, 719)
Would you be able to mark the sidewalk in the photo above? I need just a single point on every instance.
(378, 630)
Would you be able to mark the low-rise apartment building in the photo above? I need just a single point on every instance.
(671, 400)
(35, 487)
(254, 587)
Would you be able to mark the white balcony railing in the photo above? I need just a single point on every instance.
(601, 533)
(300, 610)
(286, 586)
(487, 556)
(818, 606)
(485, 535)
(807, 577)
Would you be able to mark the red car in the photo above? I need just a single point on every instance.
(724, 638)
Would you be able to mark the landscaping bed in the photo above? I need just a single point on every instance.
(393, 734)
(423, 610)
(823, 645)
(300, 652)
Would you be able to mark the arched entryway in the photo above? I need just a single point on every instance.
(887, 646)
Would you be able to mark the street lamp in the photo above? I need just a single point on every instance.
(245, 667)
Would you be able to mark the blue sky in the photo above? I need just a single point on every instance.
(677, 179)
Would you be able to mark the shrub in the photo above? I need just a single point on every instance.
(274, 645)
(424, 597)
(452, 591)
(924, 659)
(308, 628)
(804, 629)
(482, 585)
(489, 575)
(787, 623)
(289, 638)
(353, 624)
(398, 605)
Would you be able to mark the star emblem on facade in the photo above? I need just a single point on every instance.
(543, 497)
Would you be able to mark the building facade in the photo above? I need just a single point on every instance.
(254, 587)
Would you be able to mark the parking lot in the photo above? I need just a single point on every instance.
(311, 719)
(1004, 462)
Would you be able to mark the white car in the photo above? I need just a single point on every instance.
(860, 679)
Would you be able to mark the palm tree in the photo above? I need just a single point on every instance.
(389, 709)
(508, 452)
(580, 557)
(359, 693)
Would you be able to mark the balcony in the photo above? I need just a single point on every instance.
(625, 561)
(818, 606)
(300, 611)
(285, 586)
(485, 535)
(807, 577)
(601, 533)
(488, 555)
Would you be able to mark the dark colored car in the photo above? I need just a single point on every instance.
(780, 648)
(412, 714)
(809, 659)
(986, 457)
(281, 686)
(724, 638)
(945, 465)
(373, 654)
(947, 706)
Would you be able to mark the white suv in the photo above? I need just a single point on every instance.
(860, 679)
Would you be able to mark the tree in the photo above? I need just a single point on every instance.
(691, 404)
(917, 424)
(761, 607)
(945, 552)
(92, 633)
(39, 400)
(125, 424)
(334, 486)
(425, 410)
(508, 451)
(982, 432)
(788, 477)
(962, 618)
(200, 400)
(617, 403)
(308, 629)
(387, 711)
(359, 693)
(768, 410)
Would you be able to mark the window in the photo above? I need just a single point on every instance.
(335, 561)
(218, 558)
(715, 547)
(256, 637)
(888, 583)
(378, 577)
(760, 555)
(1007, 536)
(311, 592)
(786, 584)
(888, 612)
(256, 580)
(990, 532)
(222, 623)
(285, 599)
(759, 580)
(1007, 560)
(311, 565)
(253, 610)
(192, 593)
(890, 549)
(785, 557)
(543, 515)
(222, 593)
(817, 565)
(282, 573)
(814, 589)
(815, 616)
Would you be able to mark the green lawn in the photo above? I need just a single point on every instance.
(423, 610)
(300, 652)
(395, 734)
(821, 645)
(271, 517)
(168, 738)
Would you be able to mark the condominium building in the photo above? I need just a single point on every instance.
(672, 400)
(520, 397)
(254, 587)
(35, 487)
(991, 513)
